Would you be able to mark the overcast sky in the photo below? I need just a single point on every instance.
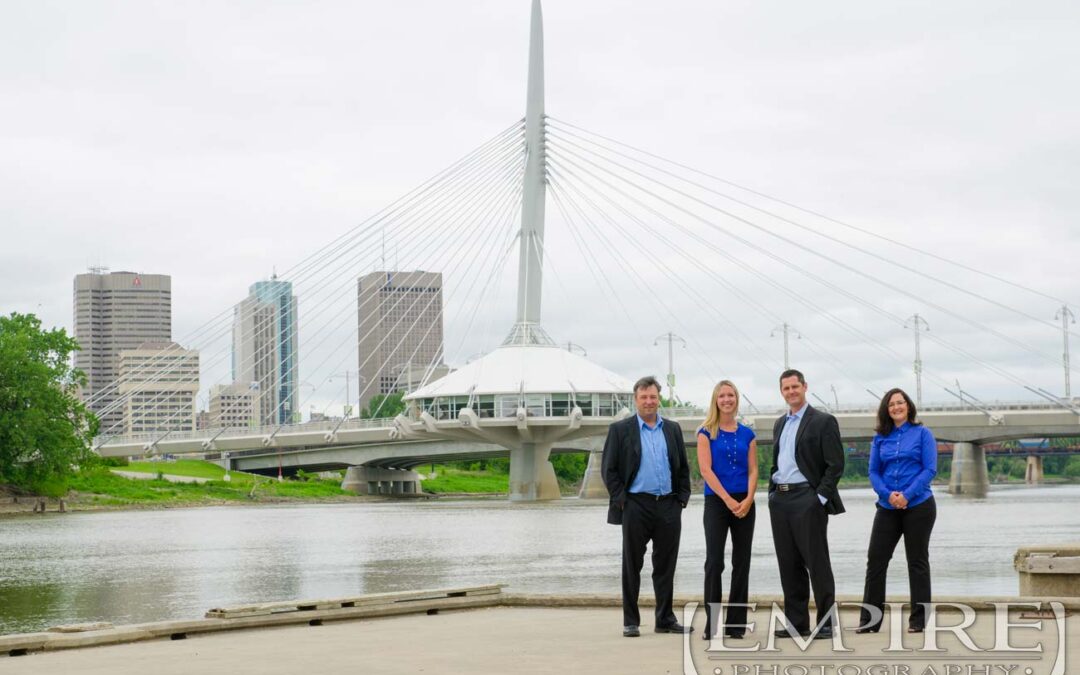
(215, 142)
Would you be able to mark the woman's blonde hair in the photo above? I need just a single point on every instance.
(712, 419)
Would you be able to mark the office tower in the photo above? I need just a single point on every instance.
(113, 312)
(232, 405)
(265, 350)
(158, 385)
(400, 323)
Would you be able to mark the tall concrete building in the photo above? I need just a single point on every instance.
(265, 350)
(400, 322)
(113, 312)
(232, 405)
(158, 384)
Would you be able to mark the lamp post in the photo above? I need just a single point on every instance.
(917, 324)
(786, 330)
(671, 339)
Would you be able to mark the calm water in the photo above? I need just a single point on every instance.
(152, 565)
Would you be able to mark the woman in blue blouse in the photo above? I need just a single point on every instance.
(903, 461)
(727, 457)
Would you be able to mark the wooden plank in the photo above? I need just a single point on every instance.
(81, 627)
(267, 608)
(1049, 564)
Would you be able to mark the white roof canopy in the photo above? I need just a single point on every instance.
(534, 369)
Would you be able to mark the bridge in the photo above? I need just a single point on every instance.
(381, 453)
(531, 396)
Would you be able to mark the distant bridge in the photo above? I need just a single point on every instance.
(384, 446)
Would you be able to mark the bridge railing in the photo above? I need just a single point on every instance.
(265, 430)
(383, 423)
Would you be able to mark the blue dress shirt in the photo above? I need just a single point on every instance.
(654, 473)
(903, 461)
(787, 469)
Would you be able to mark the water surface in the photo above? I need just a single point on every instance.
(136, 566)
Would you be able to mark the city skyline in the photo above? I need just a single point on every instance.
(115, 313)
(926, 125)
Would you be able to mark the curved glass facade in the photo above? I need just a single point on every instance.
(536, 405)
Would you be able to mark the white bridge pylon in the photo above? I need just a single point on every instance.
(528, 393)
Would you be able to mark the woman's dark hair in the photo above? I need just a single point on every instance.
(885, 424)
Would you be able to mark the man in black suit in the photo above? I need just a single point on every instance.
(808, 460)
(648, 478)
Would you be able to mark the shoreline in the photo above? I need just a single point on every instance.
(13, 504)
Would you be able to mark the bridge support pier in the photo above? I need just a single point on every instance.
(969, 476)
(532, 478)
(1033, 475)
(592, 485)
(371, 480)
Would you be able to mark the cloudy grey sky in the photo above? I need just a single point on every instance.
(217, 141)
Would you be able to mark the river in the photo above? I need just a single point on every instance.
(135, 566)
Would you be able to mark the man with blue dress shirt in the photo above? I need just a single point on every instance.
(648, 480)
(808, 460)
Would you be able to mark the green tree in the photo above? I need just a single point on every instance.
(45, 430)
(385, 405)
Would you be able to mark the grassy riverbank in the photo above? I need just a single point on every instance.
(454, 480)
(100, 488)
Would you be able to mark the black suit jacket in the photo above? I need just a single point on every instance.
(622, 458)
(819, 454)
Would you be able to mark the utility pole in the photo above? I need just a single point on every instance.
(917, 323)
(786, 330)
(1067, 317)
(671, 339)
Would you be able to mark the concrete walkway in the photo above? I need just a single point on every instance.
(541, 640)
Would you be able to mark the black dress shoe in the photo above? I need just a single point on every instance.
(824, 634)
(674, 627)
(733, 636)
(631, 631)
(784, 633)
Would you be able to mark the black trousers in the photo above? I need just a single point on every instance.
(718, 521)
(800, 534)
(645, 518)
(915, 525)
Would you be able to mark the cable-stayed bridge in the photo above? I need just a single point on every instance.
(640, 225)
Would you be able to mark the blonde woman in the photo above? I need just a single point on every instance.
(727, 457)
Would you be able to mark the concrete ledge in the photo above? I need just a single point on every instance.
(49, 641)
(382, 605)
(982, 603)
(26, 642)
